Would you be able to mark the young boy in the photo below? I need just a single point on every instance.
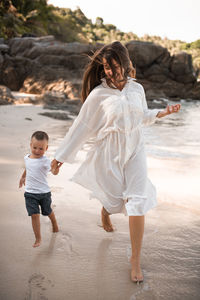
(37, 192)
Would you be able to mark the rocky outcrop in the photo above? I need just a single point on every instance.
(39, 65)
(163, 75)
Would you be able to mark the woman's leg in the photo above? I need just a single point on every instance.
(36, 229)
(136, 226)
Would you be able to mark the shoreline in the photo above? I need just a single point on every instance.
(83, 261)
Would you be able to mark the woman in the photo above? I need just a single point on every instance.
(112, 116)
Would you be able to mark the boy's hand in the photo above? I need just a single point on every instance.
(55, 166)
(22, 181)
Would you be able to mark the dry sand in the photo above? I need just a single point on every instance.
(82, 261)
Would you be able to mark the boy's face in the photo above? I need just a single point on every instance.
(38, 148)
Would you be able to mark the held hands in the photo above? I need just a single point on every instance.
(170, 109)
(55, 166)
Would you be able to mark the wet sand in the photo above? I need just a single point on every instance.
(82, 261)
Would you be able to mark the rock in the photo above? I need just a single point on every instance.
(173, 89)
(160, 103)
(143, 54)
(5, 95)
(72, 106)
(71, 62)
(194, 92)
(19, 45)
(14, 71)
(181, 67)
(4, 48)
(56, 115)
(1, 59)
(53, 97)
(10, 78)
(155, 94)
(156, 73)
(41, 64)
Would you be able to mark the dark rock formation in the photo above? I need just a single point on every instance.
(37, 65)
(56, 115)
(163, 75)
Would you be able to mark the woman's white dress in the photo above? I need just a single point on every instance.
(115, 169)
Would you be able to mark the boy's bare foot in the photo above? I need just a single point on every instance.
(106, 223)
(136, 272)
(37, 243)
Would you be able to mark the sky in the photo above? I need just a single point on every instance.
(174, 19)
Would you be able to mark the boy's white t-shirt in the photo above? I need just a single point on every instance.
(36, 174)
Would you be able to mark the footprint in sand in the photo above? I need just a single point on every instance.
(143, 291)
(65, 243)
(37, 285)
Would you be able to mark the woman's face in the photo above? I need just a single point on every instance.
(108, 71)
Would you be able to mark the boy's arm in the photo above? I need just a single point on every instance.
(22, 179)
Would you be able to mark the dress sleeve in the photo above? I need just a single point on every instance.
(84, 127)
(149, 116)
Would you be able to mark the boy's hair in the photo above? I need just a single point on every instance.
(40, 136)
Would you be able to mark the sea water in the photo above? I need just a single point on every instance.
(176, 135)
(173, 150)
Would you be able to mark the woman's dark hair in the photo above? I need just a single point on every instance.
(40, 136)
(95, 71)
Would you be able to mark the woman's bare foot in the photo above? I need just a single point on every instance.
(106, 222)
(136, 272)
(37, 243)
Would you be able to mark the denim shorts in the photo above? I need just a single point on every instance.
(35, 202)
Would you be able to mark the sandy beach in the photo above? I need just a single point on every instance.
(82, 261)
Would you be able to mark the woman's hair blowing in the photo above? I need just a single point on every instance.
(95, 70)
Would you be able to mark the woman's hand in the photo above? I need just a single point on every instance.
(170, 109)
(55, 166)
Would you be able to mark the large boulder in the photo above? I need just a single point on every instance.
(156, 73)
(14, 70)
(143, 54)
(181, 66)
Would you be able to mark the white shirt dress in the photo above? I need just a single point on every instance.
(114, 169)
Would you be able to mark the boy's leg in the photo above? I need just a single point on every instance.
(36, 228)
(53, 222)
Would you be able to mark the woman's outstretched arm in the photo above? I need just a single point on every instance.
(170, 109)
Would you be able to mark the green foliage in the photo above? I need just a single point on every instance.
(193, 45)
(36, 17)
